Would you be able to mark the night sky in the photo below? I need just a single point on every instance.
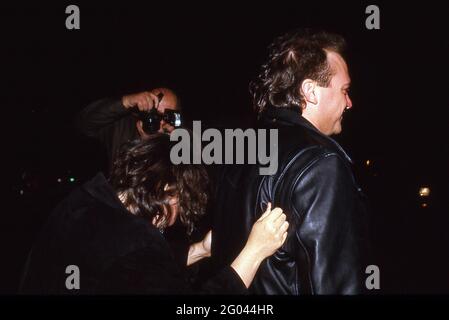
(208, 52)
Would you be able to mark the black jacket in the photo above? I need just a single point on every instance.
(109, 122)
(115, 251)
(314, 185)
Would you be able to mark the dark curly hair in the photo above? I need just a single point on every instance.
(143, 170)
(294, 57)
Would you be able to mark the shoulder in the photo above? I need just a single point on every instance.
(83, 218)
(306, 157)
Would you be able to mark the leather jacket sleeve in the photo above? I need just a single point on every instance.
(325, 201)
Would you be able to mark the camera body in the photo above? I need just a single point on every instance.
(152, 120)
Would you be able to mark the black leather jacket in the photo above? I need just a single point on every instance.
(315, 187)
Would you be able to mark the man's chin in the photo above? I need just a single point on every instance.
(337, 129)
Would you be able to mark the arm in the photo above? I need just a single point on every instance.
(154, 269)
(98, 116)
(200, 250)
(331, 229)
(267, 235)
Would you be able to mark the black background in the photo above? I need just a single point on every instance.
(208, 52)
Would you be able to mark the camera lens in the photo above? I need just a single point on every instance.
(173, 118)
(151, 121)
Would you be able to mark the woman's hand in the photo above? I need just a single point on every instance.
(268, 233)
(200, 250)
(266, 236)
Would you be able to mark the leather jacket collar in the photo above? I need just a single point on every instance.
(291, 117)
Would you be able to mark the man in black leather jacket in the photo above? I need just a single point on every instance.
(303, 92)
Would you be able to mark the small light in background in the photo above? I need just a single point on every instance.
(424, 205)
(424, 192)
(59, 180)
(21, 192)
(72, 179)
(368, 162)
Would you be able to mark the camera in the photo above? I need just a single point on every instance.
(152, 120)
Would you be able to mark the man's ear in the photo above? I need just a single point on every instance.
(308, 90)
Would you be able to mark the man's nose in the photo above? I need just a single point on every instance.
(348, 102)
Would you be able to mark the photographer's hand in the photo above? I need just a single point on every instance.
(144, 101)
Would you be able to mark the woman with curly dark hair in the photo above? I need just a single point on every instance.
(108, 236)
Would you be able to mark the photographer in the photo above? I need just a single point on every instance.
(116, 121)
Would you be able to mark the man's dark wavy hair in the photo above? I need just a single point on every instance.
(141, 172)
(294, 57)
